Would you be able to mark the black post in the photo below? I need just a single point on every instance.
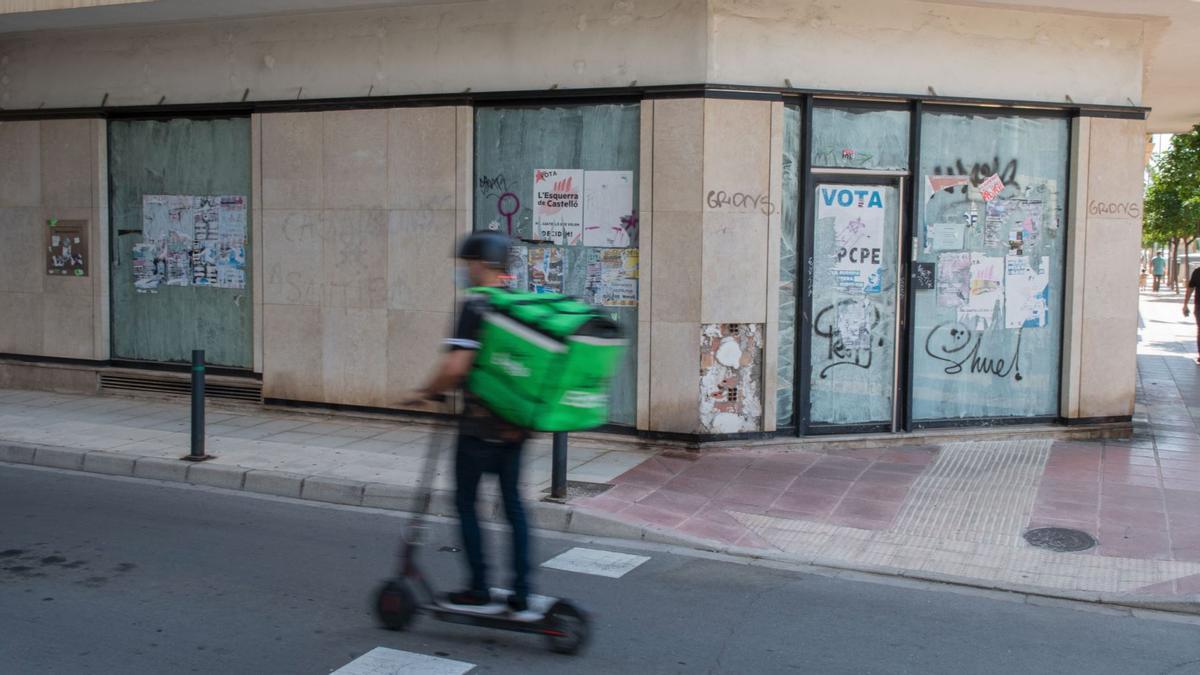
(197, 453)
(558, 473)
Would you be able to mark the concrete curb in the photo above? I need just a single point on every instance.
(542, 515)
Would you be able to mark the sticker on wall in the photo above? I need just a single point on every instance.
(857, 215)
(1026, 292)
(984, 293)
(518, 269)
(991, 187)
(730, 377)
(618, 278)
(607, 208)
(935, 184)
(545, 269)
(946, 236)
(558, 206)
(924, 276)
(953, 278)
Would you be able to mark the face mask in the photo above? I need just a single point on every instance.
(461, 278)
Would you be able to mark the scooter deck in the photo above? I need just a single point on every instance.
(498, 607)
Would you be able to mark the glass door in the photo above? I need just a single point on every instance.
(853, 328)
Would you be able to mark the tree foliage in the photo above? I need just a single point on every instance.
(1172, 210)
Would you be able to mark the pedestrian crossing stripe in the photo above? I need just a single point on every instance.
(384, 661)
(593, 561)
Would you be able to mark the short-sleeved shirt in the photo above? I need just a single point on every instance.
(477, 419)
(1194, 283)
(1160, 266)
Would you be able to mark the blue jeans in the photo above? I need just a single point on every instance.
(473, 459)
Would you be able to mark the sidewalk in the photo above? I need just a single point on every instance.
(957, 511)
(952, 512)
(309, 455)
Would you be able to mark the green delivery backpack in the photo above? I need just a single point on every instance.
(545, 360)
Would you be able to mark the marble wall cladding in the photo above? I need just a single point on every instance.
(48, 173)
(363, 235)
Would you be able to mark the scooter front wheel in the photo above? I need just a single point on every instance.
(395, 605)
(567, 628)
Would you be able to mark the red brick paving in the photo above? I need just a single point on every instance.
(695, 495)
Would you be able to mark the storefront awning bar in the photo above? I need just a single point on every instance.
(565, 96)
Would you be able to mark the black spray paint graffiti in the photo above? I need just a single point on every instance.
(959, 346)
(739, 200)
(841, 355)
(981, 171)
(493, 186)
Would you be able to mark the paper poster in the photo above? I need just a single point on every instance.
(607, 208)
(618, 278)
(991, 188)
(857, 215)
(924, 276)
(146, 275)
(953, 279)
(518, 268)
(1026, 292)
(593, 279)
(194, 240)
(1016, 242)
(854, 331)
(1031, 219)
(545, 269)
(935, 184)
(985, 291)
(946, 236)
(558, 206)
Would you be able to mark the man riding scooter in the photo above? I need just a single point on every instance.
(486, 443)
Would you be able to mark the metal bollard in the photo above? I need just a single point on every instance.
(558, 471)
(197, 453)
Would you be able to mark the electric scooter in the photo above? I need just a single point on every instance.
(565, 626)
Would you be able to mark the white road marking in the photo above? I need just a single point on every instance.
(592, 561)
(384, 661)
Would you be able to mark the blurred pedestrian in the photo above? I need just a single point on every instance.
(1159, 265)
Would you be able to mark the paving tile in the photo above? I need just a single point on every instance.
(627, 492)
(788, 464)
(778, 479)
(832, 473)
(602, 503)
(878, 491)
(820, 485)
(806, 502)
(645, 476)
(901, 456)
(709, 530)
(652, 515)
(680, 503)
(811, 514)
(695, 485)
(892, 468)
(754, 495)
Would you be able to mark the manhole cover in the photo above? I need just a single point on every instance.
(1060, 539)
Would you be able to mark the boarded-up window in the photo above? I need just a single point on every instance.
(180, 218)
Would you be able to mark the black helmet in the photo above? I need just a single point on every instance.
(488, 246)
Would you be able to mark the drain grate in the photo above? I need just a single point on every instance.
(1060, 539)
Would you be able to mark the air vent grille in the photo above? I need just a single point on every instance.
(248, 391)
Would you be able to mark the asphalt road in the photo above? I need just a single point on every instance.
(102, 575)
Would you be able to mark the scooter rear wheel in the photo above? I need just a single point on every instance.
(567, 628)
(395, 605)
